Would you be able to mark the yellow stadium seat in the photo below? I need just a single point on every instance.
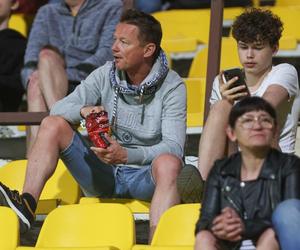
(287, 3)
(229, 58)
(184, 29)
(179, 45)
(288, 43)
(290, 18)
(146, 247)
(136, 206)
(21, 128)
(231, 13)
(19, 23)
(199, 64)
(195, 101)
(87, 226)
(67, 248)
(9, 229)
(60, 189)
(175, 229)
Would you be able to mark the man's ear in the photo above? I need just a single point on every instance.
(15, 5)
(231, 134)
(149, 49)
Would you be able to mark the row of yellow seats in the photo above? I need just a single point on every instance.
(102, 226)
(183, 30)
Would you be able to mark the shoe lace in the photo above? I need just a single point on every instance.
(16, 196)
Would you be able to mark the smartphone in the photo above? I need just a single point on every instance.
(231, 73)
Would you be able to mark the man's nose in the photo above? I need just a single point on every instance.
(114, 46)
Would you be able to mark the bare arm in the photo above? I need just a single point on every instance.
(277, 95)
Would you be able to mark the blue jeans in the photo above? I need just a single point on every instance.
(286, 223)
(97, 178)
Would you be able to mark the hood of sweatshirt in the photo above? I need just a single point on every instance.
(145, 91)
(148, 86)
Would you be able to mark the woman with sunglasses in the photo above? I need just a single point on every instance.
(253, 194)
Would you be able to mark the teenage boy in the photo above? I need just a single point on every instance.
(257, 33)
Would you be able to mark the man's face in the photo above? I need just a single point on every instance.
(254, 129)
(5, 8)
(127, 48)
(256, 57)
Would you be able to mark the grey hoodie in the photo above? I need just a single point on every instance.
(149, 120)
(84, 40)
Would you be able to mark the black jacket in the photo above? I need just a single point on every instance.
(254, 200)
(12, 49)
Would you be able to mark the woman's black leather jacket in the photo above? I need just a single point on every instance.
(255, 200)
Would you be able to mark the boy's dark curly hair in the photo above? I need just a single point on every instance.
(257, 25)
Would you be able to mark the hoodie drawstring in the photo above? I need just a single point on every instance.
(114, 112)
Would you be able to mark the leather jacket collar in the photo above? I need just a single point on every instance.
(267, 171)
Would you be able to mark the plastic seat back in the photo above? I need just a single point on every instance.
(184, 24)
(136, 206)
(9, 229)
(68, 248)
(289, 16)
(88, 225)
(229, 58)
(60, 189)
(195, 101)
(177, 226)
(287, 3)
(18, 23)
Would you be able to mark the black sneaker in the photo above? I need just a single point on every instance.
(12, 199)
(190, 184)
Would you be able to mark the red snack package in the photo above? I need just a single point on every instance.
(97, 124)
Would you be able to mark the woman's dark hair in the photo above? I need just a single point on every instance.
(149, 28)
(248, 104)
(257, 25)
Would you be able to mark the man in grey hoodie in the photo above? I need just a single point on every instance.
(68, 40)
(146, 103)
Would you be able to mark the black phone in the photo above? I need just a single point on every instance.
(231, 73)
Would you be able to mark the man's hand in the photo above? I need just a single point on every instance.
(85, 111)
(113, 154)
(231, 94)
(228, 225)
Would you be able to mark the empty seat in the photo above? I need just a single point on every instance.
(9, 229)
(175, 229)
(229, 58)
(195, 103)
(87, 226)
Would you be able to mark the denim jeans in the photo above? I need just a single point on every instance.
(286, 223)
(97, 178)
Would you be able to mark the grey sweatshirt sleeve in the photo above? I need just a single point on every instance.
(173, 130)
(38, 38)
(88, 93)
